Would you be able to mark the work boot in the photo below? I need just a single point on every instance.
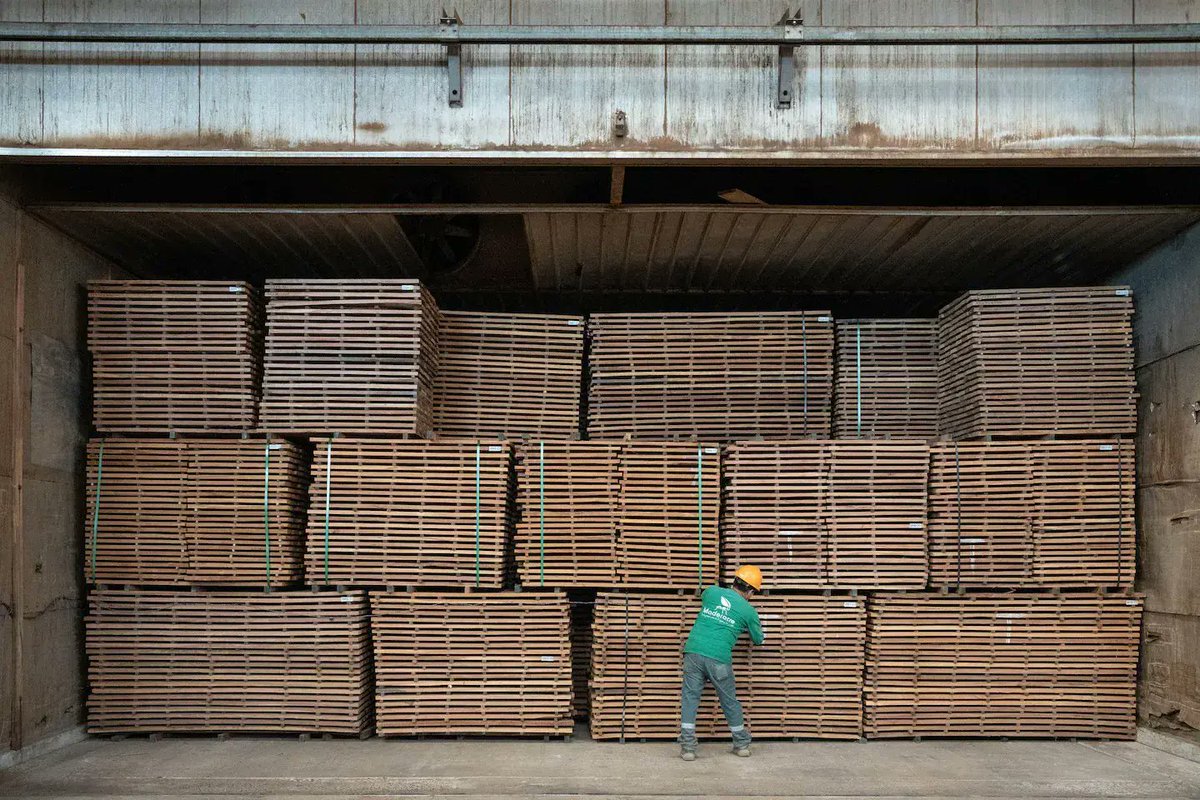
(688, 755)
(741, 752)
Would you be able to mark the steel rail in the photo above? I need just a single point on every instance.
(782, 35)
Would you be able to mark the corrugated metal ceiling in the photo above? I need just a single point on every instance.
(649, 250)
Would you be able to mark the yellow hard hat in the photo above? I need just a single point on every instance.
(750, 575)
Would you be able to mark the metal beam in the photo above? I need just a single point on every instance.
(775, 35)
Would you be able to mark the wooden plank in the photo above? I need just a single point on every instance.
(805, 680)
(392, 82)
(1055, 98)
(483, 664)
(278, 96)
(223, 662)
(1002, 665)
(898, 97)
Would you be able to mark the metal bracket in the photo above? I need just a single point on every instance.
(449, 25)
(793, 28)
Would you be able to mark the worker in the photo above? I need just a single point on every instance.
(708, 656)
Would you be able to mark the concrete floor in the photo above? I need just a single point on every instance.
(287, 768)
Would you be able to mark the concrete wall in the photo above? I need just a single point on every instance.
(44, 423)
(1166, 287)
(888, 102)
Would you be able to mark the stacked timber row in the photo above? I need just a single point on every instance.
(488, 664)
(1032, 514)
(804, 681)
(1036, 362)
(828, 514)
(710, 376)
(196, 512)
(509, 375)
(228, 662)
(886, 379)
(1002, 665)
(174, 356)
(349, 356)
(604, 514)
(386, 512)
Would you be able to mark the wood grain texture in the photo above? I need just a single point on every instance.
(1077, 97)
(725, 96)
(401, 92)
(1167, 80)
(898, 97)
(132, 93)
(278, 96)
(566, 96)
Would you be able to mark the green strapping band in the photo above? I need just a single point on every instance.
(542, 512)
(267, 505)
(700, 512)
(328, 479)
(858, 378)
(477, 514)
(96, 505)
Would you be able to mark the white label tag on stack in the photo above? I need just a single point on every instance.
(849, 604)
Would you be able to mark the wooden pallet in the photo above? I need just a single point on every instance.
(805, 681)
(1013, 514)
(710, 376)
(222, 662)
(195, 511)
(815, 514)
(604, 514)
(886, 379)
(480, 664)
(349, 357)
(409, 512)
(174, 356)
(1002, 665)
(1037, 362)
(509, 375)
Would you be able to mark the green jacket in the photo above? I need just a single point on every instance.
(724, 614)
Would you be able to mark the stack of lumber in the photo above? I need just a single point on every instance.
(714, 376)
(408, 512)
(349, 356)
(818, 514)
(228, 661)
(1035, 362)
(174, 355)
(886, 379)
(198, 512)
(1002, 665)
(1058, 513)
(509, 375)
(804, 681)
(604, 514)
(582, 614)
(487, 664)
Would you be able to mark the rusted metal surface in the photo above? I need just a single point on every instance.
(556, 103)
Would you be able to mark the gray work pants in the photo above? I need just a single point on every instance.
(698, 669)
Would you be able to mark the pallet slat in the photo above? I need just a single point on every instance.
(193, 662)
(472, 664)
(710, 376)
(1002, 665)
(815, 514)
(1037, 362)
(350, 357)
(509, 375)
(174, 356)
(804, 681)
